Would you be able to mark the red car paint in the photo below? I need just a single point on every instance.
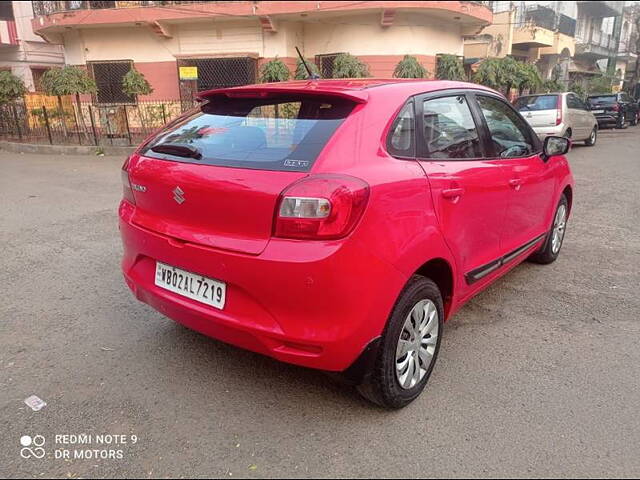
(318, 302)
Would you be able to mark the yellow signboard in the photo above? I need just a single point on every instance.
(188, 73)
(616, 88)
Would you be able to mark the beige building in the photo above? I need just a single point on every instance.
(229, 41)
(538, 32)
(24, 53)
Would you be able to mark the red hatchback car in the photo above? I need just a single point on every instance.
(337, 224)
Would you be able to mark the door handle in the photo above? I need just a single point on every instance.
(452, 193)
(516, 183)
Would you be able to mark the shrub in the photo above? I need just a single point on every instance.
(409, 67)
(578, 89)
(450, 67)
(529, 77)
(134, 83)
(348, 66)
(600, 84)
(274, 71)
(11, 87)
(552, 86)
(301, 71)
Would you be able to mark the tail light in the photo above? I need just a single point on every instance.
(559, 110)
(127, 191)
(321, 207)
(615, 107)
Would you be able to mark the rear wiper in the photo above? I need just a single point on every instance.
(177, 150)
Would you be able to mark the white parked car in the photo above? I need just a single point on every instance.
(559, 114)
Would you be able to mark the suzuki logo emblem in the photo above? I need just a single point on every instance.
(178, 195)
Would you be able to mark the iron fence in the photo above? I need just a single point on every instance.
(89, 123)
(49, 7)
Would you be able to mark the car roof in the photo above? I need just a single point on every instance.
(358, 89)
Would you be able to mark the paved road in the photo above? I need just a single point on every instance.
(538, 376)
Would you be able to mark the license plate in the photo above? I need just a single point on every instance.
(597, 111)
(196, 287)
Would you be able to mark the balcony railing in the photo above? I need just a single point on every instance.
(549, 19)
(598, 44)
(49, 7)
(602, 9)
(627, 47)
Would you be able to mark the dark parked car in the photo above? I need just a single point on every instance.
(615, 109)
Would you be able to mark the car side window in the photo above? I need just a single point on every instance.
(510, 135)
(449, 129)
(573, 102)
(401, 140)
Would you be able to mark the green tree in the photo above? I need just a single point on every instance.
(301, 71)
(274, 71)
(11, 87)
(134, 84)
(409, 67)
(69, 80)
(450, 67)
(346, 65)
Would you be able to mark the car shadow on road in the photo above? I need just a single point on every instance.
(205, 363)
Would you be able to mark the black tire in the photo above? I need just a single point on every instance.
(622, 122)
(634, 122)
(381, 385)
(545, 254)
(593, 138)
(568, 133)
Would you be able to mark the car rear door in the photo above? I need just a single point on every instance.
(577, 119)
(470, 193)
(530, 180)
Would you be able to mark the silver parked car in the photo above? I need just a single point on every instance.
(559, 114)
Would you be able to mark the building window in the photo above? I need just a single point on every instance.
(108, 77)
(217, 73)
(37, 73)
(325, 64)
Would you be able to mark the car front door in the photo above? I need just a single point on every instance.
(531, 180)
(581, 129)
(470, 193)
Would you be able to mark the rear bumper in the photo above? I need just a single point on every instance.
(315, 304)
(607, 119)
(544, 132)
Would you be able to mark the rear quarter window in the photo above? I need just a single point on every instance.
(284, 133)
(536, 103)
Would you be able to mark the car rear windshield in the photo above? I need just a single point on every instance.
(284, 133)
(603, 100)
(536, 102)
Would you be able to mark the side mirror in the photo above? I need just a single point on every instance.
(555, 146)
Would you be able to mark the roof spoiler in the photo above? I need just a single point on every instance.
(273, 90)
